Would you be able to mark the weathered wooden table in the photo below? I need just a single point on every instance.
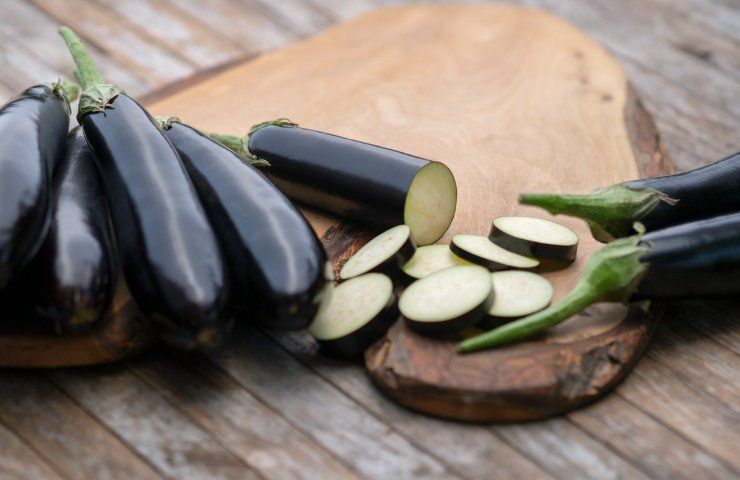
(282, 413)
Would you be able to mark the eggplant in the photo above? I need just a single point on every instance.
(518, 294)
(355, 315)
(691, 261)
(33, 127)
(430, 259)
(482, 251)
(70, 282)
(372, 185)
(171, 258)
(656, 203)
(535, 237)
(270, 246)
(385, 253)
(447, 301)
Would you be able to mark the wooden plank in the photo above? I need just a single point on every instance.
(691, 413)
(471, 451)
(182, 36)
(565, 451)
(102, 28)
(645, 442)
(343, 9)
(300, 17)
(719, 320)
(370, 446)
(149, 424)
(70, 439)
(251, 30)
(28, 26)
(699, 361)
(19, 461)
(250, 429)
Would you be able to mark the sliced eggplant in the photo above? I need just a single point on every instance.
(384, 253)
(354, 314)
(365, 183)
(430, 259)
(448, 301)
(518, 294)
(482, 251)
(535, 237)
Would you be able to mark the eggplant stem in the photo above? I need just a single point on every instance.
(610, 212)
(611, 275)
(239, 145)
(66, 89)
(96, 94)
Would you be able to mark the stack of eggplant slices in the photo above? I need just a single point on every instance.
(202, 229)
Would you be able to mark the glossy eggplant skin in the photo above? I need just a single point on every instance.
(70, 282)
(694, 260)
(270, 246)
(33, 128)
(363, 182)
(170, 255)
(701, 193)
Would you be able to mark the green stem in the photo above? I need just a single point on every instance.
(240, 145)
(612, 274)
(232, 142)
(96, 94)
(610, 212)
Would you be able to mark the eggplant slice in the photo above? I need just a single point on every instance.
(480, 250)
(354, 314)
(430, 259)
(518, 294)
(535, 237)
(384, 253)
(447, 301)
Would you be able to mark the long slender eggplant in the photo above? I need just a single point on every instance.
(270, 246)
(70, 282)
(366, 183)
(656, 203)
(170, 254)
(694, 260)
(33, 128)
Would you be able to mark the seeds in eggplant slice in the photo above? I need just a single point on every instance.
(386, 253)
(518, 294)
(354, 314)
(447, 301)
(430, 203)
(480, 250)
(534, 237)
(430, 259)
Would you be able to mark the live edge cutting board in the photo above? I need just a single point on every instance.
(512, 100)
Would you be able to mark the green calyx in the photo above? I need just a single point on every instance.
(609, 212)
(67, 90)
(165, 123)
(97, 95)
(611, 275)
(240, 145)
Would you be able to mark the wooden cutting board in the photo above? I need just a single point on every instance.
(512, 100)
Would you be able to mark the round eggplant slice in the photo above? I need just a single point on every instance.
(447, 301)
(430, 259)
(354, 314)
(480, 250)
(384, 253)
(535, 237)
(518, 294)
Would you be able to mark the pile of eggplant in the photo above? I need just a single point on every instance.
(198, 235)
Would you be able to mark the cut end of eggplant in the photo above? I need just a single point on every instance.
(355, 314)
(535, 237)
(430, 203)
(387, 251)
(430, 259)
(448, 301)
(519, 294)
(482, 251)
